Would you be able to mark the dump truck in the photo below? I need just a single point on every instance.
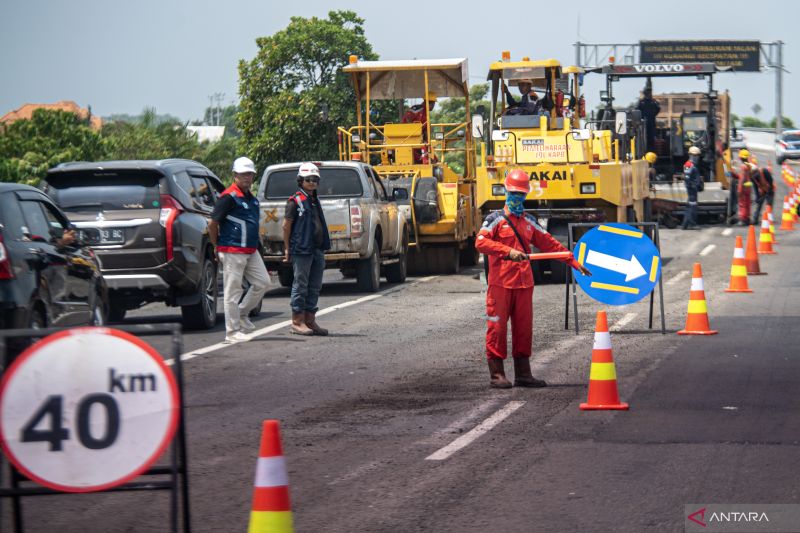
(577, 174)
(409, 151)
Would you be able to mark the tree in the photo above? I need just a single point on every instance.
(28, 148)
(148, 139)
(753, 122)
(294, 93)
(785, 121)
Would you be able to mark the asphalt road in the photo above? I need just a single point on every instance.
(712, 419)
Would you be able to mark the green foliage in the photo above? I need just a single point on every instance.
(28, 148)
(753, 122)
(148, 139)
(785, 121)
(294, 94)
(452, 111)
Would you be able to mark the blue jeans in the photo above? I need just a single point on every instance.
(307, 282)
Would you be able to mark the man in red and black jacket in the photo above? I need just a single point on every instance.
(233, 230)
(510, 279)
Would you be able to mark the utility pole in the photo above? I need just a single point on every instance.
(779, 88)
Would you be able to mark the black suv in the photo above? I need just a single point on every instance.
(46, 278)
(147, 221)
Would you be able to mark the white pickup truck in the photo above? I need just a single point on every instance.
(369, 237)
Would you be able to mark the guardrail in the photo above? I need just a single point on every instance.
(759, 138)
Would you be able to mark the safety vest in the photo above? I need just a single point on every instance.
(238, 232)
(301, 241)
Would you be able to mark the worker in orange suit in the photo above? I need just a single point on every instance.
(506, 238)
(745, 185)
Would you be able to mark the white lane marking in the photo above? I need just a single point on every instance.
(622, 321)
(456, 425)
(708, 249)
(727, 231)
(467, 438)
(677, 277)
(187, 356)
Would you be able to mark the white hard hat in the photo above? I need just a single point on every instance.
(694, 150)
(308, 169)
(244, 165)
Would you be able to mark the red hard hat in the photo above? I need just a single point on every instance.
(518, 181)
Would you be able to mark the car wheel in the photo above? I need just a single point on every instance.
(396, 272)
(368, 272)
(203, 314)
(254, 312)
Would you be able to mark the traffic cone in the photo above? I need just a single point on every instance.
(603, 394)
(751, 254)
(697, 317)
(787, 220)
(765, 237)
(738, 269)
(271, 510)
(771, 224)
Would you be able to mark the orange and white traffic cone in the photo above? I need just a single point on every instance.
(765, 237)
(271, 510)
(771, 224)
(603, 394)
(751, 254)
(738, 269)
(697, 318)
(787, 220)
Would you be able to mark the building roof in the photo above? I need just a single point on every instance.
(26, 112)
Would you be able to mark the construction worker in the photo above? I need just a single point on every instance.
(528, 104)
(233, 231)
(419, 113)
(745, 185)
(506, 237)
(764, 189)
(649, 109)
(305, 239)
(651, 158)
(692, 180)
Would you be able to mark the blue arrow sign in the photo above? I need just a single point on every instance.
(625, 264)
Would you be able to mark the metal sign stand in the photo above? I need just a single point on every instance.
(648, 228)
(173, 477)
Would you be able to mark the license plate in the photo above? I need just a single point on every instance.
(104, 236)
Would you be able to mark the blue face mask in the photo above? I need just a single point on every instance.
(515, 202)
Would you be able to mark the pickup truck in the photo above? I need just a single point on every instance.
(369, 236)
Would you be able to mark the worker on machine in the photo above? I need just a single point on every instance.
(649, 109)
(419, 113)
(506, 238)
(528, 104)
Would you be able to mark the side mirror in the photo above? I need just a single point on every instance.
(400, 193)
(581, 135)
(499, 135)
(621, 123)
(477, 126)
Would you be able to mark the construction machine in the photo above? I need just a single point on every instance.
(700, 119)
(414, 153)
(578, 173)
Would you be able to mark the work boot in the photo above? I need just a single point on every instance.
(498, 375)
(311, 322)
(523, 376)
(299, 325)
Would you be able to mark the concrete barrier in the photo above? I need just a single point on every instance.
(759, 138)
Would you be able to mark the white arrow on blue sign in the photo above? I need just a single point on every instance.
(625, 264)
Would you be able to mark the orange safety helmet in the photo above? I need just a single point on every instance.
(518, 181)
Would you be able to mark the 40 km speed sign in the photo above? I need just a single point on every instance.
(87, 409)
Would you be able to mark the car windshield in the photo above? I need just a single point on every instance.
(92, 191)
(791, 137)
(333, 183)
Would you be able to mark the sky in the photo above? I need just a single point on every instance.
(122, 56)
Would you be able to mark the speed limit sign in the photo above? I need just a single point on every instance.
(87, 409)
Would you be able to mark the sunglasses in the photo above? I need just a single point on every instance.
(311, 179)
